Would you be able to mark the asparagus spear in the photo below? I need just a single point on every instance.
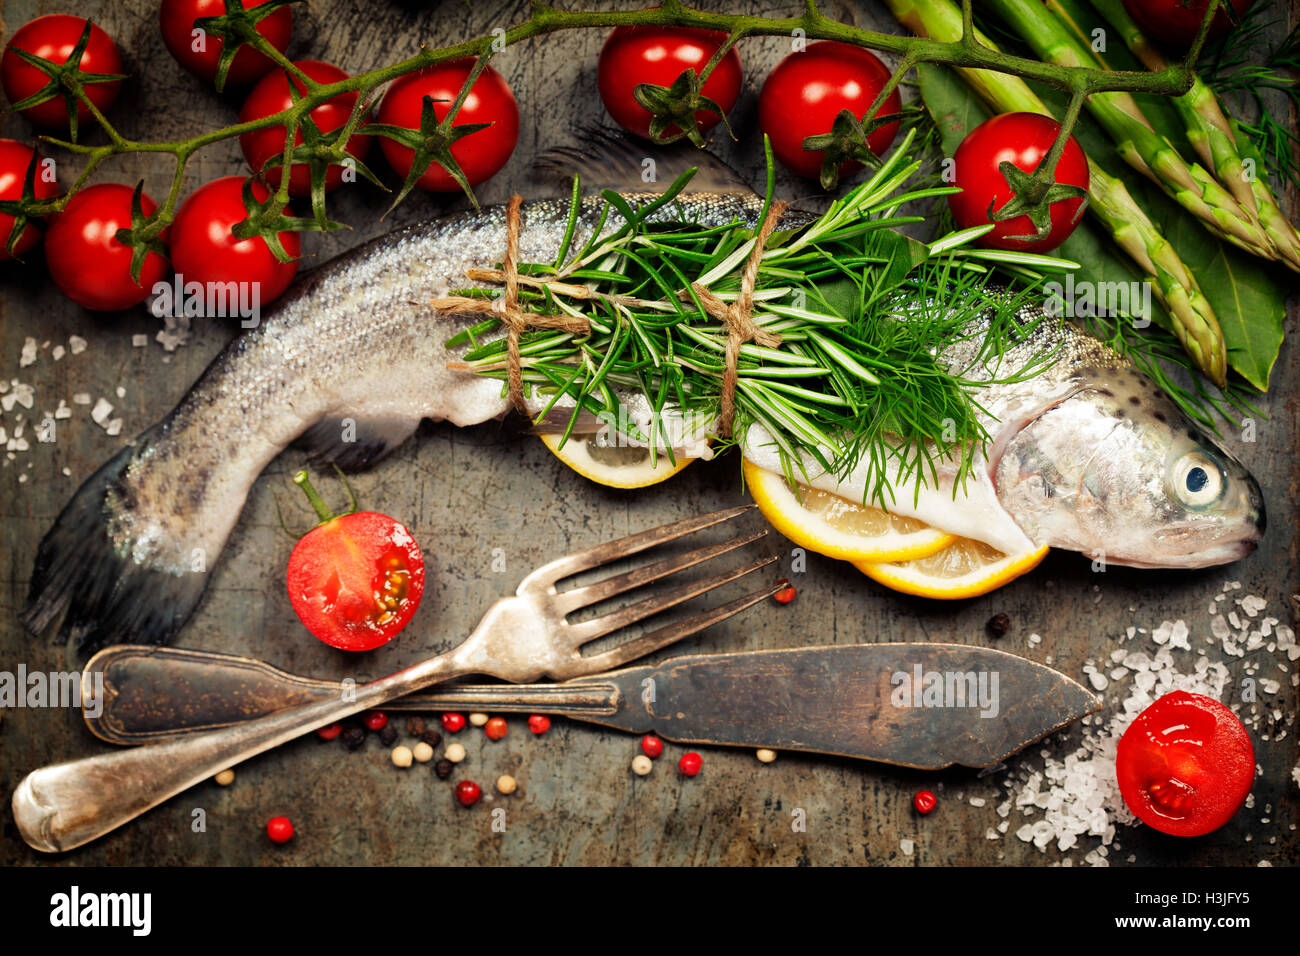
(1211, 134)
(1188, 184)
(1194, 321)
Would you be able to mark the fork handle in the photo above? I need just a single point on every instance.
(65, 805)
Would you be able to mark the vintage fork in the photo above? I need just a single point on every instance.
(520, 639)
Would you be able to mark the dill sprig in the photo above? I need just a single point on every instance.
(1235, 67)
(862, 310)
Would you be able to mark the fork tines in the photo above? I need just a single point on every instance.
(541, 584)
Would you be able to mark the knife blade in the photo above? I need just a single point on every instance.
(926, 706)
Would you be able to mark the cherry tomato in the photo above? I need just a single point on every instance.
(15, 157)
(807, 90)
(53, 38)
(1022, 139)
(204, 250)
(85, 259)
(200, 54)
(1176, 22)
(356, 580)
(480, 154)
(1185, 765)
(271, 96)
(658, 56)
(279, 829)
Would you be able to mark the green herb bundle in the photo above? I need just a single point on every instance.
(853, 379)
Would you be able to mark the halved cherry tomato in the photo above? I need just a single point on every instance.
(1185, 765)
(53, 38)
(271, 96)
(355, 580)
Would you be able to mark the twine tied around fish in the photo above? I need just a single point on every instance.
(737, 316)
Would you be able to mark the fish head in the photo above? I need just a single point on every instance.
(1117, 471)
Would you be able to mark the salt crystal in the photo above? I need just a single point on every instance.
(1035, 639)
(907, 846)
(977, 801)
(81, 398)
(63, 411)
(58, 353)
(99, 414)
(121, 392)
(77, 344)
(1178, 635)
(114, 427)
(28, 356)
(1252, 604)
(67, 472)
(140, 341)
(22, 479)
(1098, 681)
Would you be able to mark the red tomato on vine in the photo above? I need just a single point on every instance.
(481, 153)
(200, 53)
(271, 96)
(808, 90)
(204, 249)
(15, 160)
(86, 259)
(1023, 140)
(55, 38)
(658, 56)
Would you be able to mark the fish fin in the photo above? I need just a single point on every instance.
(611, 159)
(354, 443)
(95, 589)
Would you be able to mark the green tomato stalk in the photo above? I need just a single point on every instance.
(1194, 321)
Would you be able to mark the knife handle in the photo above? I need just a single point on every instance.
(160, 693)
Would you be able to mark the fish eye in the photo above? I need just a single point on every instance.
(1197, 480)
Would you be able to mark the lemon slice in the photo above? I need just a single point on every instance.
(837, 527)
(615, 466)
(966, 568)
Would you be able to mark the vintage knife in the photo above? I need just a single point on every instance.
(916, 705)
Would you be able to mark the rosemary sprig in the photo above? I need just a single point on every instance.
(862, 312)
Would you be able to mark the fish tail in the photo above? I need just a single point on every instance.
(93, 586)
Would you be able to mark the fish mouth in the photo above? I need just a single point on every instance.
(1200, 557)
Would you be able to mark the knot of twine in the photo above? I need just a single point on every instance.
(738, 319)
(736, 316)
(516, 320)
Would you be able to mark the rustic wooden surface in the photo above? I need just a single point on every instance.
(470, 492)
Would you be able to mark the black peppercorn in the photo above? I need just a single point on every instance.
(354, 737)
(998, 625)
(388, 735)
(431, 737)
(415, 726)
(443, 768)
